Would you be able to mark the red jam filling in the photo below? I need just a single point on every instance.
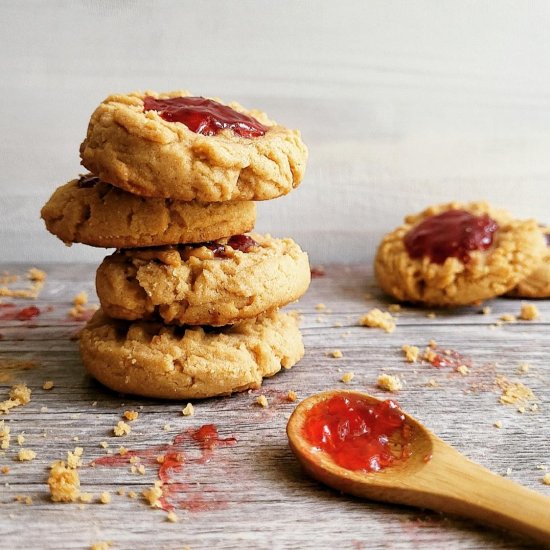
(454, 233)
(357, 434)
(242, 243)
(205, 116)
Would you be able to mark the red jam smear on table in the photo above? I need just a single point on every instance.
(454, 233)
(205, 116)
(23, 314)
(356, 433)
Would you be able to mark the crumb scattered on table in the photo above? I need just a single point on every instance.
(291, 396)
(121, 429)
(411, 353)
(19, 395)
(347, 377)
(47, 385)
(152, 495)
(26, 455)
(188, 410)
(389, 382)
(130, 415)
(64, 483)
(336, 353)
(262, 401)
(529, 312)
(376, 318)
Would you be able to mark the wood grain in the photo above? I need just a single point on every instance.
(254, 494)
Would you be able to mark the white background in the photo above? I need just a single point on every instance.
(402, 104)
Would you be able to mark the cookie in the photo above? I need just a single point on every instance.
(89, 211)
(457, 254)
(177, 146)
(154, 360)
(217, 283)
(537, 284)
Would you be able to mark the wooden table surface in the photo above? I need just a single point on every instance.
(253, 494)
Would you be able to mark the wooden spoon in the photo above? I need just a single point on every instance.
(435, 476)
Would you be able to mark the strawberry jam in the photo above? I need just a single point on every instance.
(454, 233)
(357, 434)
(205, 116)
(242, 243)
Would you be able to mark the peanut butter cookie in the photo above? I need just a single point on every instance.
(155, 360)
(177, 146)
(89, 211)
(216, 283)
(457, 254)
(537, 284)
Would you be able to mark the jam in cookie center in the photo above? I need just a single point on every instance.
(454, 233)
(205, 116)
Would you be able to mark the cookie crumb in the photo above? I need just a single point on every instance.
(432, 344)
(130, 415)
(81, 299)
(188, 410)
(20, 439)
(37, 275)
(74, 458)
(320, 307)
(153, 495)
(86, 498)
(291, 396)
(104, 444)
(47, 385)
(507, 318)
(431, 315)
(411, 353)
(347, 377)
(508, 471)
(172, 517)
(376, 318)
(121, 429)
(498, 424)
(101, 545)
(262, 401)
(64, 483)
(167, 427)
(546, 479)
(432, 383)
(523, 368)
(19, 395)
(394, 308)
(463, 369)
(336, 353)
(513, 392)
(529, 312)
(5, 469)
(389, 382)
(26, 455)
(132, 494)
(486, 310)
(105, 497)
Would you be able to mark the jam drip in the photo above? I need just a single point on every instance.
(356, 434)
(205, 116)
(242, 243)
(454, 233)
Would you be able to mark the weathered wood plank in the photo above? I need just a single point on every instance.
(253, 493)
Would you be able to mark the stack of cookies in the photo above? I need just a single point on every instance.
(458, 254)
(190, 299)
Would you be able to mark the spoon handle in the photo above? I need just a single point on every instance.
(469, 490)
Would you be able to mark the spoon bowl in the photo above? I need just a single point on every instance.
(434, 476)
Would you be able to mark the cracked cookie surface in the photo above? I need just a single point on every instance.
(515, 252)
(88, 211)
(144, 154)
(154, 360)
(191, 285)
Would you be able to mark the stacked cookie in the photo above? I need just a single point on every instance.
(459, 254)
(190, 299)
